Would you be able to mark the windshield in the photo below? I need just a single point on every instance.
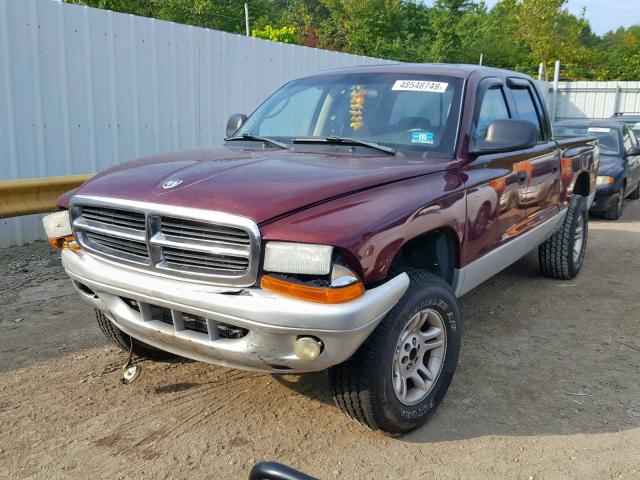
(607, 137)
(414, 114)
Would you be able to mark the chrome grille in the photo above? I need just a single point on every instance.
(176, 257)
(115, 217)
(119, 245)
(179, 227)
(222, 249)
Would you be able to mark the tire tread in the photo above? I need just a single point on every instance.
(556, 253)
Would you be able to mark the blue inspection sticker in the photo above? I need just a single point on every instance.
(423, 137)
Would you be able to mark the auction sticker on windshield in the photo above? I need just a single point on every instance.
(420, 86)
(598, 130)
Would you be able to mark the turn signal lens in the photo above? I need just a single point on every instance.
(64, 242)
(58, 228)
(312, 294)
(605, 180)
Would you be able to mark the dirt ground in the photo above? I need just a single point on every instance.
(548, 386)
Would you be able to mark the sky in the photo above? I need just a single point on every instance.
(603, 15)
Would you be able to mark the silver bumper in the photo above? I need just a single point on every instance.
(273, 322)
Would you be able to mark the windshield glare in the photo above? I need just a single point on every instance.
(607, 137)
(414, 114)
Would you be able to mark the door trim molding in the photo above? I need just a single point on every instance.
(480, 270)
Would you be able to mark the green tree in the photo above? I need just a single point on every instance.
(515, 34)
(282, 34)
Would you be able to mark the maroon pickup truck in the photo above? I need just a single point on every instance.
(335, 230)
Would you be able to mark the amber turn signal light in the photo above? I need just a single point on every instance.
(312, 294)
(64, 242)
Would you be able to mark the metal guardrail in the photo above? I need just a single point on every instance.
(35, 195)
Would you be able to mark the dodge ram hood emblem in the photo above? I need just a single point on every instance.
(171, 183)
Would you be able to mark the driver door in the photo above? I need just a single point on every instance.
(496, 181)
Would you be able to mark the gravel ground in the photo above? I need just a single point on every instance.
(548, 386)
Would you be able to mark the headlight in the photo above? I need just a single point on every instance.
(291, 259)
(297, 258)
(605, 180)
(58, 229)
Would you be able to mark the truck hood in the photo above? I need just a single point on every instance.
(258, 184)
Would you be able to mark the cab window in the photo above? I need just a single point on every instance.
(626, 139)
(494, 107)
(526, 108)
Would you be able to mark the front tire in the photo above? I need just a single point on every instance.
(561, 255)
(401, 373)
(615, 212)
(635, 195)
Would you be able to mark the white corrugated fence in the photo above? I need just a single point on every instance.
(592, 99)
(83, 89)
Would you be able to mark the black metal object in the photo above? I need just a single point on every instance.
(276, 471)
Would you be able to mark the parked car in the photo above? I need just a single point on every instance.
(335, 229)
(619, 175)
(631, 119)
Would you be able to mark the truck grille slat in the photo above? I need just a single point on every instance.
(217, 251)
(203, 231)
(115, 217)
(115, 221)
(177, 261)
(210, 236)
(178, 254)
(118, 244)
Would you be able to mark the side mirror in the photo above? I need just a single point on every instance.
(632, 152)
(506, 136)
(235, 122)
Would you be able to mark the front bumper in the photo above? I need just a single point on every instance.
(273, 322)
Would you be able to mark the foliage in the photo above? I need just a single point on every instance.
(283, 34)
(516, 34)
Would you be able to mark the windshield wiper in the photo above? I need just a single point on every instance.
(257, 138)
(347, 141)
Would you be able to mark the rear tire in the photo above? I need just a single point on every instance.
(561, 255)
(122, 340)
(376, 385)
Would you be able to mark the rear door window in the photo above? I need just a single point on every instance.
(626, 138)
(525, 106)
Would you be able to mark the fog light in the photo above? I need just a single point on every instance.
(307, 348)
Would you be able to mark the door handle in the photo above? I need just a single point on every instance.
(522, 177)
